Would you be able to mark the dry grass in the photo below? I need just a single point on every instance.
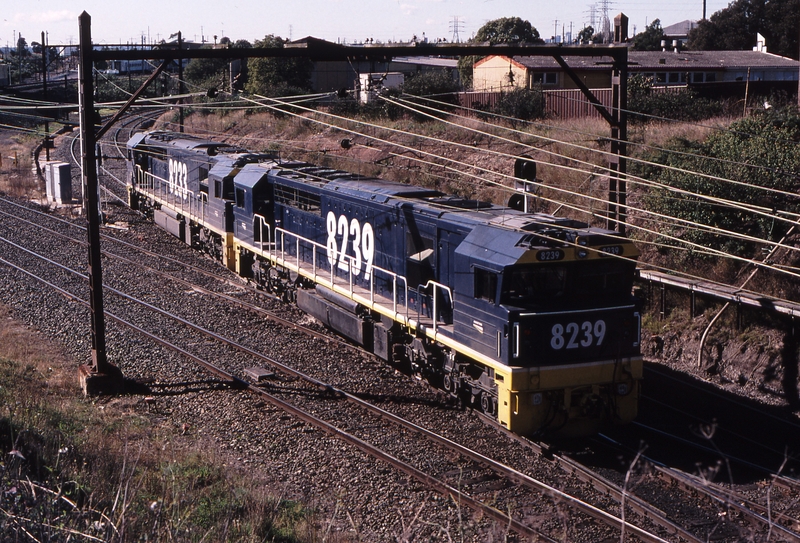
(548, 143)
(17, 176)
(109, 472)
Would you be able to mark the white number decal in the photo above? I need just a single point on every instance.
(363, 244)
(355, 231)
(345, 233)
(333, 248)
(574, 335)
(368, 247)
(572, 330)
(557, 341)
(178, 182)
(600, 331)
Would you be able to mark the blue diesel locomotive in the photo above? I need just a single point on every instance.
(527, 317)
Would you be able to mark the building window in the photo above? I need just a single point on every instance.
(546, 78)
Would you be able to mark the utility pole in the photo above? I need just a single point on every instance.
(101, 376)
(44, 96)
(181, 88)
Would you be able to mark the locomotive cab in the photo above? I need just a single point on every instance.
(561, 316)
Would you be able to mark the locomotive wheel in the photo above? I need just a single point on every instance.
(486, 403)
(289, 296)
(447, 382)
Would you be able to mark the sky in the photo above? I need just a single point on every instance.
(349, 21)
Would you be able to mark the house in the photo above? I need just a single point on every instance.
(679, 31)
(667, 67)
(718, 71)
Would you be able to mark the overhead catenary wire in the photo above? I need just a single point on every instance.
(686, 223)
(629, 177)
(716, 252)
(506, 188)
(704, 226)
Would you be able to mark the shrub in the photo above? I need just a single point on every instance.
(645, 101)
(759, 151)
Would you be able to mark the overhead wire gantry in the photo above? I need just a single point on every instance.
(101, 376)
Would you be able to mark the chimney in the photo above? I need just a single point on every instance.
(676, 46)
(621, 28)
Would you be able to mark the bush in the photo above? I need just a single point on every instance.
(683, 105)
(759, 151)
(523, 104)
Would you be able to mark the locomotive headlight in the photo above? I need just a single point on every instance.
(623, 389)
(537, 398)
(582, 253)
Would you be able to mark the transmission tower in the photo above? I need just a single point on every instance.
(605, 6)
(593, 17)
(455, 25)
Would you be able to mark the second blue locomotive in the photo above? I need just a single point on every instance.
(527, 317)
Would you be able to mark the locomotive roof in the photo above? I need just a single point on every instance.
(433, 203)
(188, 142)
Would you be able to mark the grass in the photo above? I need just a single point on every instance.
(17, 177)
(71, 468)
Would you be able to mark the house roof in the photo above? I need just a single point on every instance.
(679, 29)
(664, 60)
(433, 62)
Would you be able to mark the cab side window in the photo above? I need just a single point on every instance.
(485, 285)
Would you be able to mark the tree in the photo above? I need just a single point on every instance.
(650, 39)
(211, 72)
(782, 20)
(276, 76)
(22, 47)
(730, 29)
(735, 27)
(503, 30)
(586, 35)
(431, 83)
(507, 30)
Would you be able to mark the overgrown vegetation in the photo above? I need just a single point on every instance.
(16, 176)
(758, 152)
(646, 102)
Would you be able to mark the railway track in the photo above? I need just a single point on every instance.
(619, 495)
(332, 394)
(451, 465)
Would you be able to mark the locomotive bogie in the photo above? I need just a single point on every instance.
(527, 318)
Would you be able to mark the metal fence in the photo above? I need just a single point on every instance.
(559, 104)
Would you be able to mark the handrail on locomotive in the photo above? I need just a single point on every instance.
(276, 252)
